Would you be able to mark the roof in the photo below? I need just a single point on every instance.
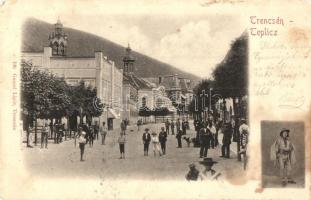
(138, 83)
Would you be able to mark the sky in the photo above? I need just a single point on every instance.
(193, 43)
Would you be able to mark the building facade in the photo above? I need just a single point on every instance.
(177, 89)
(96, 71)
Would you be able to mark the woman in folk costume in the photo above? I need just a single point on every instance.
(283, 154)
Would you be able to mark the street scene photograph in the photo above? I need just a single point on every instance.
(135, 97)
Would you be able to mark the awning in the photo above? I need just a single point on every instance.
(112, 114)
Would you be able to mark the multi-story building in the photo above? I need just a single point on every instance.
(96, 71)
(178, 90)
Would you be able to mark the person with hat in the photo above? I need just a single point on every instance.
(146, 141)
(282, 152)
(82, 142)
(155, 144)
(193, 173)
(208, 173)
(163, 139)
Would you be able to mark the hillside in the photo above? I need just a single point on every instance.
(36, 33)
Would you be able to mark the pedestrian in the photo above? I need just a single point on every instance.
(138, 125)
(184, 127)
(218, 127)
(178, 137)
(123, 127)
(173, 127)
(212, 134)
(167, 126)
(146, 141)
(244, 132)
(177, 125)
(121, 141)
(103, 132)
(44, 136)
(61, 133)
(193, 173)
(155, 144)
(282, 152)
(30, 137)
(56, 135)
(96, 130)
(226, 141)
(163, 139)
(208, 173)
(82, 142)
(187, 125)
(203, 137)
(91, 136)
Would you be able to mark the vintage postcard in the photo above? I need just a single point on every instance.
(202, 99)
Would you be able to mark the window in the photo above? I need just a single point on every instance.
(143, 102)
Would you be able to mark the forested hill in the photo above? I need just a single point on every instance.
(36, 33)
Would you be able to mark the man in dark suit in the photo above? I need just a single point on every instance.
(226, 141)
(204, 139)
(178, 137)
(162, 140)
(146, 140)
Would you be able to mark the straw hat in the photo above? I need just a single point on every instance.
(284, 130)
(207, 161)
(146, 129)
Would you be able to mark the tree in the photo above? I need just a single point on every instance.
(47, 96)
(43, 95)
(84, 103)
(230, 75)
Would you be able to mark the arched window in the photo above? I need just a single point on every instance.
(144, 102)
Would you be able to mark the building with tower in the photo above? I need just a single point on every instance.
(58, 40)
(132, 84)
(97, 71)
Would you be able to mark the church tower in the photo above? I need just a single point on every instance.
(128, 60)
(58, 40)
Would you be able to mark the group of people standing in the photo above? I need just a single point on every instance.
(158, 142)
(207, 135)
(180, 125)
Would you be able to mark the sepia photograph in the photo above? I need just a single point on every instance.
(112, 99)
(128, 100)
(283, 154)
